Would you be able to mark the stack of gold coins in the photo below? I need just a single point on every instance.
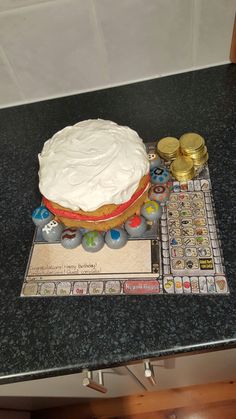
(193, 145)
(182, 168)
(168, 148)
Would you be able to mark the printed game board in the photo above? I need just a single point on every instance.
(179, 254)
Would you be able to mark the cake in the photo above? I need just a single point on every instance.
(94, 174)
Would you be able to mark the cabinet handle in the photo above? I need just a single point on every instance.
(149, 373)
(89, 382)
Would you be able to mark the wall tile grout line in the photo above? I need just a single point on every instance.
(111, 85)
(28, 6)
(195, 29)
(11, 72)
(101, 39)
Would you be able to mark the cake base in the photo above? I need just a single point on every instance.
(107, 216)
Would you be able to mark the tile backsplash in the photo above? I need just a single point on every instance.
(51, 48)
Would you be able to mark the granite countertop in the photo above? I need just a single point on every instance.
(51, 336)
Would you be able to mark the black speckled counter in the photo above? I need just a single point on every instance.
(42, 337)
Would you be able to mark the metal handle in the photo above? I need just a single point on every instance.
(149, 373)
(89, 382)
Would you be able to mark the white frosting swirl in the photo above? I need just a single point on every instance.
(92, 163)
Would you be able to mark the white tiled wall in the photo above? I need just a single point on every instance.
(51, 48)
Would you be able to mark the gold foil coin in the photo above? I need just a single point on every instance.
(182, 168)
(201, 161)
(168, 147)
(196, 156)
(182, 164)
(191, 142)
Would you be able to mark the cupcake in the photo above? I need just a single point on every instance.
(94, 174)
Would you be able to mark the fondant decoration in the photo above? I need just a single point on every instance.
(151, 210)
(159, 193)
(116, 238)
(136, 226)
(154, 160)
(159, 175)
(41, 216)
(71, 238)
(84, 230)
(52, 231)
(92, 241)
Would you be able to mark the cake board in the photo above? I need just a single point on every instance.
(179, 254)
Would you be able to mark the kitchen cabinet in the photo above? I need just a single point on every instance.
(188, 370)
(171, 372)
(118, 381)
